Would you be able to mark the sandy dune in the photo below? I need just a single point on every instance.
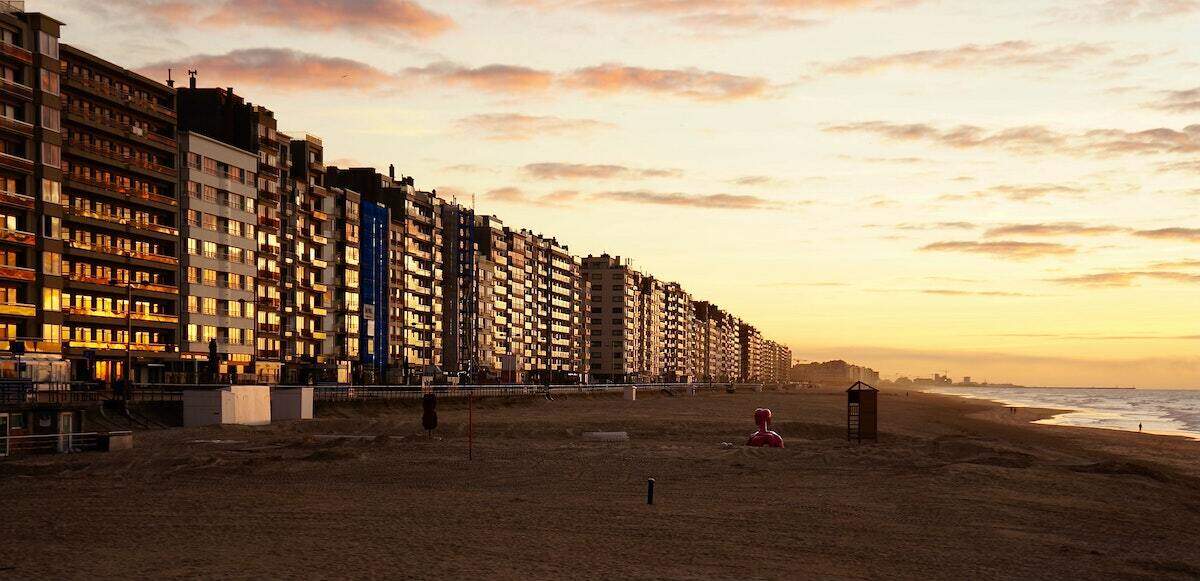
(955, 489)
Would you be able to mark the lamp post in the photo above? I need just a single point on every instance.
(128, 373)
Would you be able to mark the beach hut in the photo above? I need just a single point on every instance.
(862, 412)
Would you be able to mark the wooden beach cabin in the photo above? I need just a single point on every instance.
(862, 413)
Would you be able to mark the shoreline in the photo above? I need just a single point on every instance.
(1063, 412)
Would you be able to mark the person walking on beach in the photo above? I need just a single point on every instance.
(1139, 427)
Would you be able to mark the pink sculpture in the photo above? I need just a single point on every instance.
(764, 436)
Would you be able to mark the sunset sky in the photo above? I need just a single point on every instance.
(1008, 190)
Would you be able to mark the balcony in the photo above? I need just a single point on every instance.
(118, 346)
(116, 95)
(16, 52)
(18, 309)
(264, 274)
(268, 303)
(111, 218)
(16, 200)
(16, 162)
(268, 222)
(116, 250)
(16, 125)
(127, 129)
(129, 193)
(16, 89)
(129, 160)
(18, 237)
(17, 273)
(268, 328)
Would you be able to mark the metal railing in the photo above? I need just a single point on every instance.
(344, 393)
(52, 443)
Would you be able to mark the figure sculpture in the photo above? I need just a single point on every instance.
(764, 437)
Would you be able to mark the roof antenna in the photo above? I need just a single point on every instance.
(192, 82)
(170, 81)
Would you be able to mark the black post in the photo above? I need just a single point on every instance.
(650, 491)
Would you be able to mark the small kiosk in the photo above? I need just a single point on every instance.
(862, 413)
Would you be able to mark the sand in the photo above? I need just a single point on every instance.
(955, 489)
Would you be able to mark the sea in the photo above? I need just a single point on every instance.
(1174, 412)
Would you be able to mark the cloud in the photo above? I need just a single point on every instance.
(513, 195)
(1054, 229)
(1024, 193)
(281, 69)
(1007, 249)
(712, 201)
(574, 171)
(1122, 11)
(757, 181)
(721, 15)
(372, 18)
(1184, 234)
(690, 83)
(965, 293)
(518, 127)
(605, 79)
(1011, 54)
(1187, 101)
(936, 226)
(1126, 278)
(1185, 264)
(490, 78)
(507, 194)
(1038, 140)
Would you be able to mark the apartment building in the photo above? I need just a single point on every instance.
(305, 236)
(751, 359)
(560, 296)
(31, 197)
(374, 271)
(415, 280)
(220, 114)
(652, 329)
(119, 218)
(344, 273)
(499, 330)
(460, 281)
(679, 348)
(219, 264)
(614, 324)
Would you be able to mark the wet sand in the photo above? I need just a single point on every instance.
(955, 489)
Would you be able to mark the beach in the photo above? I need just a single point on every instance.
(954, 489)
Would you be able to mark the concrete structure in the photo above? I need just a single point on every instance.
(245, 405)
(305, 228)
(292, 404)
(343, 271)
(220, 258)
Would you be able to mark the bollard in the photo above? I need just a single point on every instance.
(650, 491)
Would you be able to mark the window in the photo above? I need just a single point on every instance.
(52, 227)
(193, 160)
(209, 306)
(51, 154)
(49, 81)
(193, 333)
(51, 119)
(51, 192)
(51, 333)
(52, 263)
(51, 299)
(193, 304)
(47, 45)
(210, 277)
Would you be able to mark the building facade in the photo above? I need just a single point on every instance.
(219, 262)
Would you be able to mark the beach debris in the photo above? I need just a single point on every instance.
(217, 442)
(727, 445)
(764, 437)
(606, 436)
(650, 491)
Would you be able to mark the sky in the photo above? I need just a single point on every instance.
(1006, 190)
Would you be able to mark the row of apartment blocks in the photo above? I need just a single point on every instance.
(146, 230)
(643, 329)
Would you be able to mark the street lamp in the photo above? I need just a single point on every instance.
(128, 284)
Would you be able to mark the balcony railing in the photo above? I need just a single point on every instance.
(16, 162)
(123, 252)
(127, 192)
(15, 88)
(268, 302)
(17, 273)
(18, 237)
(268, 222)
(145, 286)
(18, 309)
(17, 125)
(15, 51)
(118, 346)
(121, 96)
(127, 128)
(121, 157)
(15, 199)
(135, 223)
